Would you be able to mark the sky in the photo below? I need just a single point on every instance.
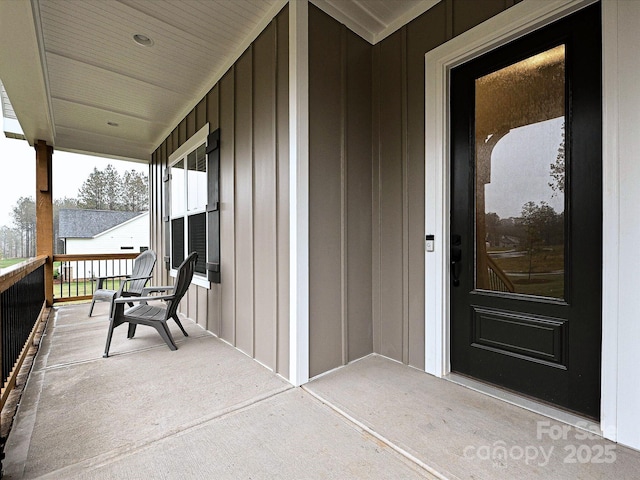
(520, 169)
(519, 173)
(70, 170)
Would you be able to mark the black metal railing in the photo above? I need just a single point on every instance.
(22, 299)
(22, 303)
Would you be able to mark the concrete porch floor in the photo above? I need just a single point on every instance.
(207, 411)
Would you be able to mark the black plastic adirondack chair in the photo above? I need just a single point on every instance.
(154, 316)
(130, 285)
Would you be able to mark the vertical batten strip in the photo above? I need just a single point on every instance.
(252, 117)
(376, 188)
(283, 194)
(344, 156)
(276, 271)
(227, 207)
(449, 19)
(405, 201)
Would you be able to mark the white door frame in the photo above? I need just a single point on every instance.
(514, 22)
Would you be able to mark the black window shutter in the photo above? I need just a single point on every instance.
(213, 205)
(166, 180)
(197, 240)
(177, 245)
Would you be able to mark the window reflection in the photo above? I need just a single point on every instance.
(177, 188)
(197, 179)
(520, 177)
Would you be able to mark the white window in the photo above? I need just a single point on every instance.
(188, 216)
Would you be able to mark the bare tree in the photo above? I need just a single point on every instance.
(24, 218)
(10, 242)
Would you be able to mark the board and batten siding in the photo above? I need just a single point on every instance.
(366, 191)
(250, 307)
(398, 172)
(340, 208)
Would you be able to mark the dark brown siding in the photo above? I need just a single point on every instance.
(249, 308)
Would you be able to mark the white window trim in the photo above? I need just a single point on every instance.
(194, 142)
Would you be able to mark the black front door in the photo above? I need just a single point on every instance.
(526, 215)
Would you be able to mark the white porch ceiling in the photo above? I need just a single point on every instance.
(71, 67)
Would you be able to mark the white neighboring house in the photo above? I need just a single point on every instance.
(101, 231)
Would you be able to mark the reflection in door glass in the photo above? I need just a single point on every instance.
(520, 177)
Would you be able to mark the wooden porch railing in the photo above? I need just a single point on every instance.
(498, 280)
(75, 275)
(22, 305)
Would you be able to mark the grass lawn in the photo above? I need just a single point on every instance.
(542, 285)
(546, 263)
(549, 259)
(7, 262)
(77, 288)
(74, 288)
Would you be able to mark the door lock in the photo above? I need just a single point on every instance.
(456, 258)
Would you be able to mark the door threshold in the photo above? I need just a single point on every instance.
(558, 414)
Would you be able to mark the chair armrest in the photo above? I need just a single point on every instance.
(111, 276)
(142, 299)
(127, 280)
(131, 279)
(100, 280)
(160, 288)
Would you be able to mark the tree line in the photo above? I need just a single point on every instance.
(102, 190)
(539, 225)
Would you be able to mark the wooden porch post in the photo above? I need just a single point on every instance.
(44, 213)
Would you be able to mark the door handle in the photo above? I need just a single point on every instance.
(456, 258)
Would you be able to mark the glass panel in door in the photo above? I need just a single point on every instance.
(520, 177)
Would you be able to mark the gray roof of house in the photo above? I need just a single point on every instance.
(82, 223)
